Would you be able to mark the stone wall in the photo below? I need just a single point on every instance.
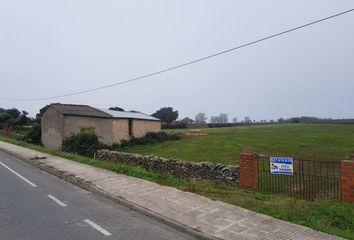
(226, 175)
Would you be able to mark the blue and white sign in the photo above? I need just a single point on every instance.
(281, 165)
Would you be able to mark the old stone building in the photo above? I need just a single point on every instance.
(60, 121)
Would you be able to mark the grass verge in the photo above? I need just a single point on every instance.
(333, 217)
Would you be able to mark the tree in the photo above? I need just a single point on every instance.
(15, 113)
(23, 119)
(281, 120)
(200, 118)
(215, 119)
(187, 120)
(295, 120)
(4, 117)
(13, 117)
(223, 118)
(116, 109)
(166, 114)
(234, 120)
(248, 120)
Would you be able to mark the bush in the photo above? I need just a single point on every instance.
(34, 135)
(176, 125)
(221, 125)
(149, 138)
(84, 143)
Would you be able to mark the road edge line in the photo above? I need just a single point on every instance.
(88, 186)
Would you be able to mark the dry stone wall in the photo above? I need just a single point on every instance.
(222, 174)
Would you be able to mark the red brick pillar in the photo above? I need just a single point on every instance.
(347, 179)
(8, 132)
(248, 169)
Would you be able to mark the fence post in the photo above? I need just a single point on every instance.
(347, 179)
(248, 169)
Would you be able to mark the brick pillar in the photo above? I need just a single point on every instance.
(248, 169)
(8, 132)
(347, 179)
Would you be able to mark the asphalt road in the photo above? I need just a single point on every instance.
(35, 206)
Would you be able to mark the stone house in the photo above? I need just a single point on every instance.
(60, 121)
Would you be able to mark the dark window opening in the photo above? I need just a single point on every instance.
(130, 127)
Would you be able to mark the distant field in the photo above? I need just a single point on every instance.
(223, 145)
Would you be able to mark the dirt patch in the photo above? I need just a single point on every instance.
(195, 132)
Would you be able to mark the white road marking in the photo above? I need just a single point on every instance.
(98, 228)
(57, 200)
(18, 175)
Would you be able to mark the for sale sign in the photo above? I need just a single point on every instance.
(281, 165)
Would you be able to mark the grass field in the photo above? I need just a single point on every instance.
(223, 145)
(333, 217)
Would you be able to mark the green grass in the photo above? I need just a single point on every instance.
(223, 145)
(333, 217)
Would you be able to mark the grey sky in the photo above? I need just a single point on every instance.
(55, 47)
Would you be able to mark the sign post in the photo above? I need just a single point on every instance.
(281, 165)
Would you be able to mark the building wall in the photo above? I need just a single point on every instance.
(56, 127)
(52, 129)
(102, 126)
(141, 127)
(120, 130)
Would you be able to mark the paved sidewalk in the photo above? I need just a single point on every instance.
(195, 214)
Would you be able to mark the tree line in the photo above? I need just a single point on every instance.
(13, 117)
(169, 116)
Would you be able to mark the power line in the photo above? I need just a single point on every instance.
(184, 64)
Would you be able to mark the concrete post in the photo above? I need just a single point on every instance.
(347, 179)
(248, 169)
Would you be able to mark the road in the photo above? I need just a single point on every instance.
(35, 206)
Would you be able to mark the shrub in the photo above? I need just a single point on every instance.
(176, 125)
(221, 125)
(84, 143)
(149, 138)
(33, 135)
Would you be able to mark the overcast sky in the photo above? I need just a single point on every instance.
(49, 48)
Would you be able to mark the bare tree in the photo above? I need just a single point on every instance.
(223, 118)
(248, 120)
(200, 118)
(215, 119)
